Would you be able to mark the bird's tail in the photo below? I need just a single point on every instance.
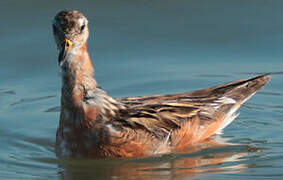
(240, 91)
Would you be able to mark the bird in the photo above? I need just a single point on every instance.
(94, 125)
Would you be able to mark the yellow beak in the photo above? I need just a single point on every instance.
(67, 45)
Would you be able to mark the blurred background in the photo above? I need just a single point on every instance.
(142, 47)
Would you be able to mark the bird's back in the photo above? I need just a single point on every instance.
(183, 119)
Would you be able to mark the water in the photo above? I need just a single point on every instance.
(144, 47)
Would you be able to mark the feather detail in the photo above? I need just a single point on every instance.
(161, 124)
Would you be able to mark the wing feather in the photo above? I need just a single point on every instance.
(207, 109)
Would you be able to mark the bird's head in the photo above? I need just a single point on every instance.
(70, 30)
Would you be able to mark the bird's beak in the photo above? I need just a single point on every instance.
(65, 47)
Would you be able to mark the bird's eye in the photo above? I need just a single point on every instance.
(82, 27)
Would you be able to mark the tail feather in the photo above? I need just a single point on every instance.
(240, 93)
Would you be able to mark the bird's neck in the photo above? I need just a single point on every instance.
(77, 77)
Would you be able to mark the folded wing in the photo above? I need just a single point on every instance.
(189, 117)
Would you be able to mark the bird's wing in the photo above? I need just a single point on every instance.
(204, 112)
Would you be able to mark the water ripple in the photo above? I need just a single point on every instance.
(7, 91)
(214, 75)
(270, 93)
(53, 109)
(33, 99)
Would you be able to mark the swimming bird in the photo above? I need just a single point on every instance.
(95, 125)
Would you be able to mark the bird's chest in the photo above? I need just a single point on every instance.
(75, 142)
(73, 138)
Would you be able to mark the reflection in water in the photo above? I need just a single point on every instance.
(213, 156)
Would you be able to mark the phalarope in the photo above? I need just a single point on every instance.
(93, 124)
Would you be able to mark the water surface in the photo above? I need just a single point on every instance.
(144, 47)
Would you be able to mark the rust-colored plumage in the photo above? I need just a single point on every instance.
(92, 124)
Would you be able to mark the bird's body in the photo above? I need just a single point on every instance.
(93, 124)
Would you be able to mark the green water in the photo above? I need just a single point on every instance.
(143, 47)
